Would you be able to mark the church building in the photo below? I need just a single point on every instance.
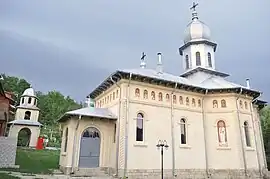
(210, 125)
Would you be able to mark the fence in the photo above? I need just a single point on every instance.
(8, 147)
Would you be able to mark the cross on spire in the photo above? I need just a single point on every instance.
(194, 13)
(194, 6)
(143, 56)
(143, 64)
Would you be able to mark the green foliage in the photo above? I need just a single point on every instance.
(36, 161)
(265, 120)
(52, 105)
(7, 176)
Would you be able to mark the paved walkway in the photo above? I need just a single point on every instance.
(55, 176)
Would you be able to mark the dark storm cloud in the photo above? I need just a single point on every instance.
(57, 43)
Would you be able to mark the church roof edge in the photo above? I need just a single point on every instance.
(195, 70)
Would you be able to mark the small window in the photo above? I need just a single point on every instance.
(246, 105)
(110, 97)
(199, 103)
(27, 115)
(153, 95)
(22, 100)
(117, 93)
(198, 59)
(209, 59)
(160, 97)
(187, 62)
(187, 101)
(113, 95)
(66, 140)
(193, 102)
(114, 137)
(137, 92)
(241, 104)
(29, 100)
(139, 128)
(223, 103)
(180, 99)
(167, 97)
(174, 99)
(145, 94)
(247, 137)
(183, 131)
(215, 104)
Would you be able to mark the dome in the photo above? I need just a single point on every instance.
(196, 30)
(29, 92)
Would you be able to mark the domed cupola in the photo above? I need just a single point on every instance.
(198, 49)
(29, 98)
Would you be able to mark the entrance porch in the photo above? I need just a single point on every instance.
(88, 140)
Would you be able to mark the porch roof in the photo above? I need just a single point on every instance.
(89, 112)
(25, 122)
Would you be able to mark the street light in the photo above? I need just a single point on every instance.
(161, 144)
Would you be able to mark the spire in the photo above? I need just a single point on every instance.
(143, 64)
(194, 12)
(159, 64)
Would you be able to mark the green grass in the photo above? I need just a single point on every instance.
(7, 176)
(36, 161)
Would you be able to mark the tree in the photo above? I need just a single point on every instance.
(265, 121)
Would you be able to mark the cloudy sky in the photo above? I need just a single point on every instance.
(71, 46)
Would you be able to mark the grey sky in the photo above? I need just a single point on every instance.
(71, 46)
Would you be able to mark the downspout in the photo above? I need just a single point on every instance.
(172, 132)
(74, 145)
(240, 131)
(205, 137)
(126, 126)
(118, 125)
(255, 138)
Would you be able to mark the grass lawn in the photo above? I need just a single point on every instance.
(7, 176)
(36, 161)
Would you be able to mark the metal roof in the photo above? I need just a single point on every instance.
(25, 122)
(90, 112)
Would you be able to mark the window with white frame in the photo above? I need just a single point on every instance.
(140, 127)
(183, 131)
(247, 136)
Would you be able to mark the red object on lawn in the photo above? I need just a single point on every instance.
(40, 143)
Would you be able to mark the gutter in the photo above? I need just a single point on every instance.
(117, 126)
(172, 132)
(241, 133)
(74, 145)
(126, 126)
(255, 137)
(205, 137)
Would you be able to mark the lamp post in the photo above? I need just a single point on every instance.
(161, 144)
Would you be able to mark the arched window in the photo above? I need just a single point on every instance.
(246, 105)
(66, 140)
(209, 59)
(145, 94)
(180, 99)
(117, 93)
(198, 59)
(187, 101)
(110, 97)
(222, 133)
(183, 131)
(215, 104)
(223, 103)
(241, 104)
(160, 98)
(153, 96)
(22, 100)
(193, 102)
(247, 137)
(27, 115)
(137, 92)
(139, 128)
(167, 97)
(29, 100)
(174, 99)
(187, 62)
(113, 95)
(35, 102)
(199, 103)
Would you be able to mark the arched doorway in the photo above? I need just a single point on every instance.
(89, 148)
(24, 137)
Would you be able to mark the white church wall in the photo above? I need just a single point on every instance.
(20, 113)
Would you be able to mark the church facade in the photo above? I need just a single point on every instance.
(211, 125)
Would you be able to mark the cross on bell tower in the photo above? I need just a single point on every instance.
(194, 12)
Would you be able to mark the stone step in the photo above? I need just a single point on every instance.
(90, 172)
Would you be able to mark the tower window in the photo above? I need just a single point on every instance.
(209, 59)
(187, 62)
(198, 59)
(27, 115)
(29, 100)
(22, 100)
